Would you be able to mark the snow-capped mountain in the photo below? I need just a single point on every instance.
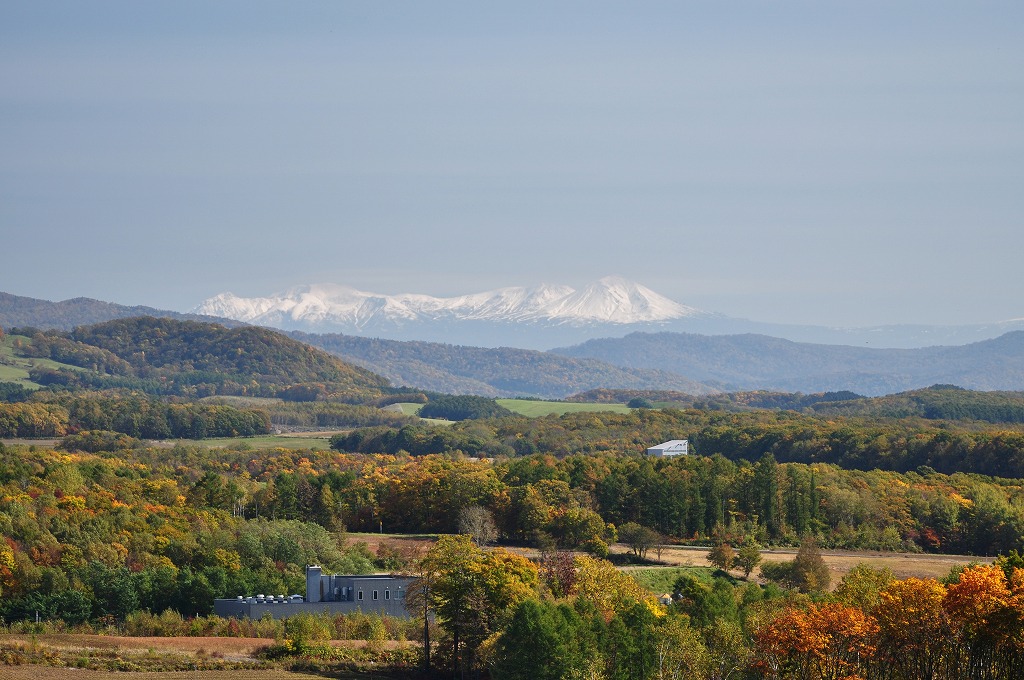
(612, 300)
(542, 317)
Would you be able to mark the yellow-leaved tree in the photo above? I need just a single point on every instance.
(472, 590)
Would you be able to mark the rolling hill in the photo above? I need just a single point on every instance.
(750, 362)
(195, 359)
(492, 372)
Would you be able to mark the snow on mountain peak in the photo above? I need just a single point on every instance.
(612, 300)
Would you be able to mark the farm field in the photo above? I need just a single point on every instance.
(676, 558)
(293, 440)
(411, 409)
(534, 409)
(413, 546)
(902, 565)
(143, 651)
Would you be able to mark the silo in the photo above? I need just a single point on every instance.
(313, 577)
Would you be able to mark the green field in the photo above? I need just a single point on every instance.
(310, 440)
(533, 409)
(409, 408)
(15, 369)
(241, 402)
(660, 580)
(529, 408)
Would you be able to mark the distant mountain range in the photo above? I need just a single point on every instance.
(685, 362)
(503, 372)
(545, 316)
(759, 362)
(694, 364)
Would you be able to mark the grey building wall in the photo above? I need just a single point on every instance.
(342, 594)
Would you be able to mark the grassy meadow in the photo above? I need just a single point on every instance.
(295, 440)
(534, 409)
(413, 409)
(529, 408)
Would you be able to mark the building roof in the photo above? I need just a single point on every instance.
(669, 444)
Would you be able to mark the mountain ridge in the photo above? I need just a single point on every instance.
(610, 300)
(491, 372)
(752, 362)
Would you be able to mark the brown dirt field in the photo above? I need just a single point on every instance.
(50, 673)
(409, 546)
(230, 648)
(903, 565)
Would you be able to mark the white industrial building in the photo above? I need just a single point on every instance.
(676, 447)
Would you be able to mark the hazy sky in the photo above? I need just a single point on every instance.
(846, 163)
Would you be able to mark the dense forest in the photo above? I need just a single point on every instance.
(578, 502)
(104, 536)
(850, 442)
(134, 415)
(938, 402)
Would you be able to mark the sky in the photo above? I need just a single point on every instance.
(836, 163)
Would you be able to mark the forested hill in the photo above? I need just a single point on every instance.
(503, 371)
(749, 362)
(16, 310)
(938, 402)
(167, 356)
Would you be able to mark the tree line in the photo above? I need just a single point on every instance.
(851, 442)
(576, 616)
(135, 416)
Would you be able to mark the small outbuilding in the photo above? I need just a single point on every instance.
(676, 447)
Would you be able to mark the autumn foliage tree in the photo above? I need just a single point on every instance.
(912, 629)
(472, 591)
(828, 641)
(722, 556)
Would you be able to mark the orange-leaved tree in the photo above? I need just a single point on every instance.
(830, 641)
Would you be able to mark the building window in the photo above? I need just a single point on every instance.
(360, 594)
(375, 594)
(387, 594)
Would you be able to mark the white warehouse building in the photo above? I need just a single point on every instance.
(676, 447)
